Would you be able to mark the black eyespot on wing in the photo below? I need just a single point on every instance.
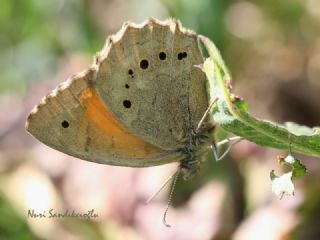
(144, 64)
(162, 56)
(182, 55)
(65, 124)
(127, 103)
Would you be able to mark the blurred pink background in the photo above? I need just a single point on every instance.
(272, 49)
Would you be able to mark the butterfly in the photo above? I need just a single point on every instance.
(141, 103)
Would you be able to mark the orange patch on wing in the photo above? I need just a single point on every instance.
(125, 142)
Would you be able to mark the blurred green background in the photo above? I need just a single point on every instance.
(273, 51)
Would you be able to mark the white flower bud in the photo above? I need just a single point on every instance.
(283, 185)
(289, 159)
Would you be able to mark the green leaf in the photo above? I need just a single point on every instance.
(299, 169)
(231, 113)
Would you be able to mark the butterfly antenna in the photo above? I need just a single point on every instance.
(160, 189)
(164, 220)
(205, 114)
(228, 140)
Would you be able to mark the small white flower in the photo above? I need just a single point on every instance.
(289, 159)
(283, 185)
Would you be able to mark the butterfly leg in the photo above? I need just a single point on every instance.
(206, 113)
(228, 140)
